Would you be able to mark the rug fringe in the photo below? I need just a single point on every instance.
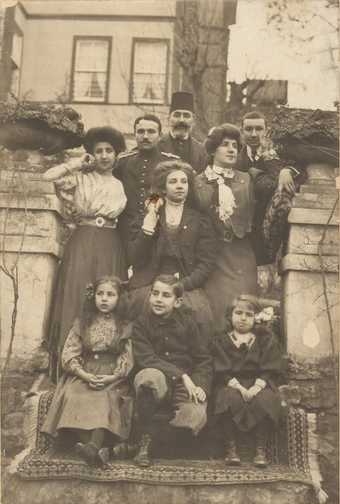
(31, 412)
(313, 445)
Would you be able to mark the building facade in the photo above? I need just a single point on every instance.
(110, 60)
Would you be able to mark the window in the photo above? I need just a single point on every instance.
(149, 71)
(90, 69)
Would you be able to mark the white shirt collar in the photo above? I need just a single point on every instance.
(225, 172)
(250, 154)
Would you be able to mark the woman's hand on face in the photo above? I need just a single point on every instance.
(151, 218)
(76, 164)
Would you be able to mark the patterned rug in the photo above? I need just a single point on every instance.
(288, 452)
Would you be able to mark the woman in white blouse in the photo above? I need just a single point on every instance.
(92, 201)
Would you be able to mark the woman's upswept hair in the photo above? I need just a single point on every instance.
(104, 134)
(172, 281)
(164, 169)
(216, 136)
(89, 309)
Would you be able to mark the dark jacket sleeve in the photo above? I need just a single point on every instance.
(140, 245)
(145, 355)
(202, 371)
(205, 255)
(221, 362)
(271, 362)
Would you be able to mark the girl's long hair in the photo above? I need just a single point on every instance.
(89, 309)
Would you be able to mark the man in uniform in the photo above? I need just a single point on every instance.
(135, 169)
(271, 175)
(179, 140)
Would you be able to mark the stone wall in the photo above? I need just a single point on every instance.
(312, 386)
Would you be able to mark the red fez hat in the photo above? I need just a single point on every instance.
(181, 100)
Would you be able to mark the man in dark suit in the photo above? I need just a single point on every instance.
(179, 140)
(270, 175)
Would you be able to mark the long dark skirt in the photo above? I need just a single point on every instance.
(90, 253)
(196, 300)
(235, 274)
(76, 406)
(246, 415)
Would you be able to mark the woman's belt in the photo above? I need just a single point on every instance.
(100, 222)
(100, 356)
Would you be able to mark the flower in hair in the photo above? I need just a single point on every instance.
(89, 291)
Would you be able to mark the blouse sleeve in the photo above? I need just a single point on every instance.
(71, 357)
(124, 362)
(65, 187)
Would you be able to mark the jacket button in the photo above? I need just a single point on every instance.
(167, 354)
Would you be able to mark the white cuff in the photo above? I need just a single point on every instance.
(261, 383)
(294, 171)
(147, 231)
(233, 383)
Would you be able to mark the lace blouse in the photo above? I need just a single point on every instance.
(90, 195)
(101, 336)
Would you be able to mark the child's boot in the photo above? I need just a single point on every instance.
(260, 459)
(232, 457)
(124, 450)
(143, 458)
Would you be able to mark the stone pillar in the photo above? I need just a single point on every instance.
(306, 276)
(30, 233)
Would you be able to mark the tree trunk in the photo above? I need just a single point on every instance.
(201, 51)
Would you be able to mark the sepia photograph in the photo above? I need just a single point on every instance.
(169, 251)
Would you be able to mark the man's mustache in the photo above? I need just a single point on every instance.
(181, 124)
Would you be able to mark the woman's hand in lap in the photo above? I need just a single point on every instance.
(245, 394)
(101, 381)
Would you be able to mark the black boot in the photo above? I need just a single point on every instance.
(232, 457)
(88, 452)
(260, 459)
(124, 450)
(143, 458)
(230, 435)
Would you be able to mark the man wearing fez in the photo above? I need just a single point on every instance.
(135, 169)
(179, 140)
(271, 175)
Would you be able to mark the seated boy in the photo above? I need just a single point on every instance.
(173, 361)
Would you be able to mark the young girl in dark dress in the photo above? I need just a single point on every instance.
(92, 398)
(247, 363)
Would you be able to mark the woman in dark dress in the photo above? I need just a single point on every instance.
(174, 239)
(226, 195)
(248, 364)
(92, 200)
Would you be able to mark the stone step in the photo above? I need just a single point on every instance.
(317, 217)
(318, 188)
(69, 492)
(314, 200)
